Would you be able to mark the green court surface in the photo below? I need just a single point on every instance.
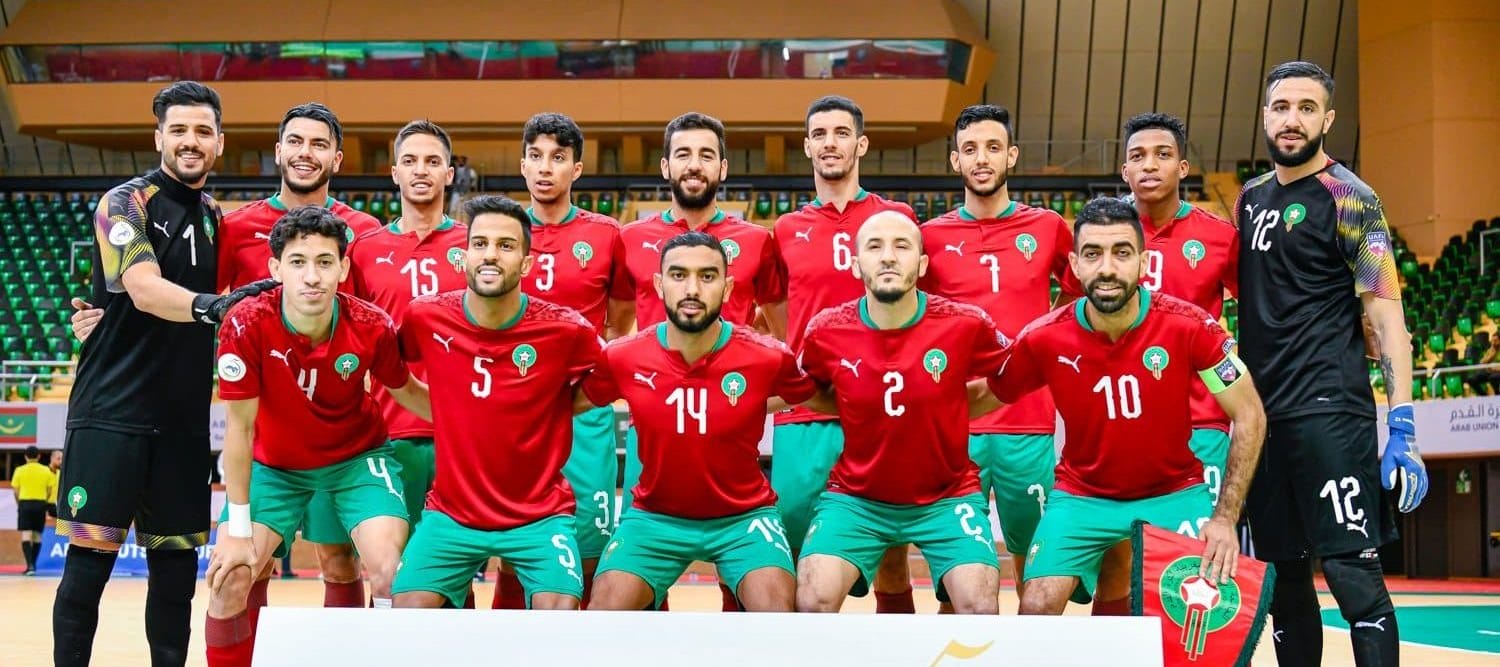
(1469, 627)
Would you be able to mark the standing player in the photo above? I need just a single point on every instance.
(292, 369)
(137, 421)
(816, 246)
(503, 368)
(697, 388)
(1127, 357)
(576, 257)
(32, 483)
(1001, 255)
(898, 361)
(1313, 238)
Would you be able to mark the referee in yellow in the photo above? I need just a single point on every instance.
(33, 483)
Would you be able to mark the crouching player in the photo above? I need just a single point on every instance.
(292, 366)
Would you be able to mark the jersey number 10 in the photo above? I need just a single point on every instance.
(1127, 403)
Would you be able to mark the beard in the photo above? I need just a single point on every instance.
(890, 294)
(695, 202)
(307, 188)
(508, 283)
(1296, 158)
(1109, 305)
(693, 325)
(185, 175)
(1001, 175)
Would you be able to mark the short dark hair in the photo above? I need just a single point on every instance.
(693, 120)
(502, 205)
(1159, 121)
(694, 240)
(186, 94)
(33, 453)
(1105, 211)
(317, 112)
(306, 221)
(981, 112)
(429, 128)
(561, 128)
(836, 103)
(1300, 69)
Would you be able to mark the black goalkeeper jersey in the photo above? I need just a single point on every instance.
(138, 373)
(1308, 250)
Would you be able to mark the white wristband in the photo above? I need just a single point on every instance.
(238, 524)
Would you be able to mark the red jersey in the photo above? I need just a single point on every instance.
(1127, 419)
(389, 268)
(576, 261)
(1195, 258)
(502, 406)
(752, 264)
(699, 424)
(314, 410)
(1005, 266)
(245, 249)
(902, 398)
(816, 247)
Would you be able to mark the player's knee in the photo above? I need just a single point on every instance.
(338, 563)
(554, 601)
(983, 605)
(1040, 599)
(815, 598)
(235, 590)
(763, 590)
(1358, 584)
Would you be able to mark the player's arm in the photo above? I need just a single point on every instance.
(1232, 387)
(619, 318)
(235, 547)
(982, 401)
(822, 401)
(775, 318)
(1393, 344)
(414, 397)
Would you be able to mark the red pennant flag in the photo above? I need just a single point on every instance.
(1203, 624)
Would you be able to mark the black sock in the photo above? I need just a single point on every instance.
(1358, 584)
(28, 554)
(172, 577)
(1297, 626)
(36, 553)
(75, 611)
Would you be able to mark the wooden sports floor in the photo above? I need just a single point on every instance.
(26, 613)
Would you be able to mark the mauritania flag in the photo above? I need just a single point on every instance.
(18, 426)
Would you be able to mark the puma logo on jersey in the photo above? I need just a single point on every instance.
(161, 227)
(278, 354)
(1371, 624)
(652, 245)
(648, 380)
(805, 235)
(444, 341)
(263, 236)
(1070, 362)
(390, 258)
(239, 329)
(1276, 635)
(853, 367)
(956, 249)
(1250, 210)
(1358, 528)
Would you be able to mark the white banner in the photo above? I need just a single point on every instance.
(1454, 426)
(293, 636)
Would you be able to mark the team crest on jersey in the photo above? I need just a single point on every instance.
(208, 228)
(1293, 215)
(1194, 251)
(1196, 604)
(348, 234)
(935, 361)
(346, 364)
(77, 498)
(524, 357)
(734, 386)
(456, 258)
(1026, 243)
(121, 233)
(1156, 359)
(731, 249)
(583, 252)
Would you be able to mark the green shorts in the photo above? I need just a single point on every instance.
(1077, 530)
(950, 532)
(322, 525)
(443, 556)
(801, 458)
(591, 470)
(1019, 469)
(632, 475)
(364, 487)
(1212, 448)
(659, 548)
(418, 466)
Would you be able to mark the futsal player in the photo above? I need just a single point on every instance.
(816, 247)
(1315, 250)
(503, 368)
(898, 361)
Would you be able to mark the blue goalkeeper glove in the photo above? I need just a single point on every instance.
(1401, 467)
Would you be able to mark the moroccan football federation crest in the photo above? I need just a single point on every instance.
(1293, 215)
(456, 258)
(731, 249)
(1026, 243)
(345, 365)
(524, 357)
(734, 386)
(1204, 620)
(1194, 251)
(77, 498)
(1156, 359)
(935, 361)
(208, 228)
(348, 234)
(583, 252)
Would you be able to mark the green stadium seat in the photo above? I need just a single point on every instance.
(607, 203)
(393, 208)
(921, 207)
(1436, 342)
(360, 203)
(1492, 308)
(1076, 204)
(1465, 326)
(1244, 170)
(1453, 385)
(763, 206)
(23, 392)
(586, 201)
(1057, 203)
(803, 199)
(783, 203)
